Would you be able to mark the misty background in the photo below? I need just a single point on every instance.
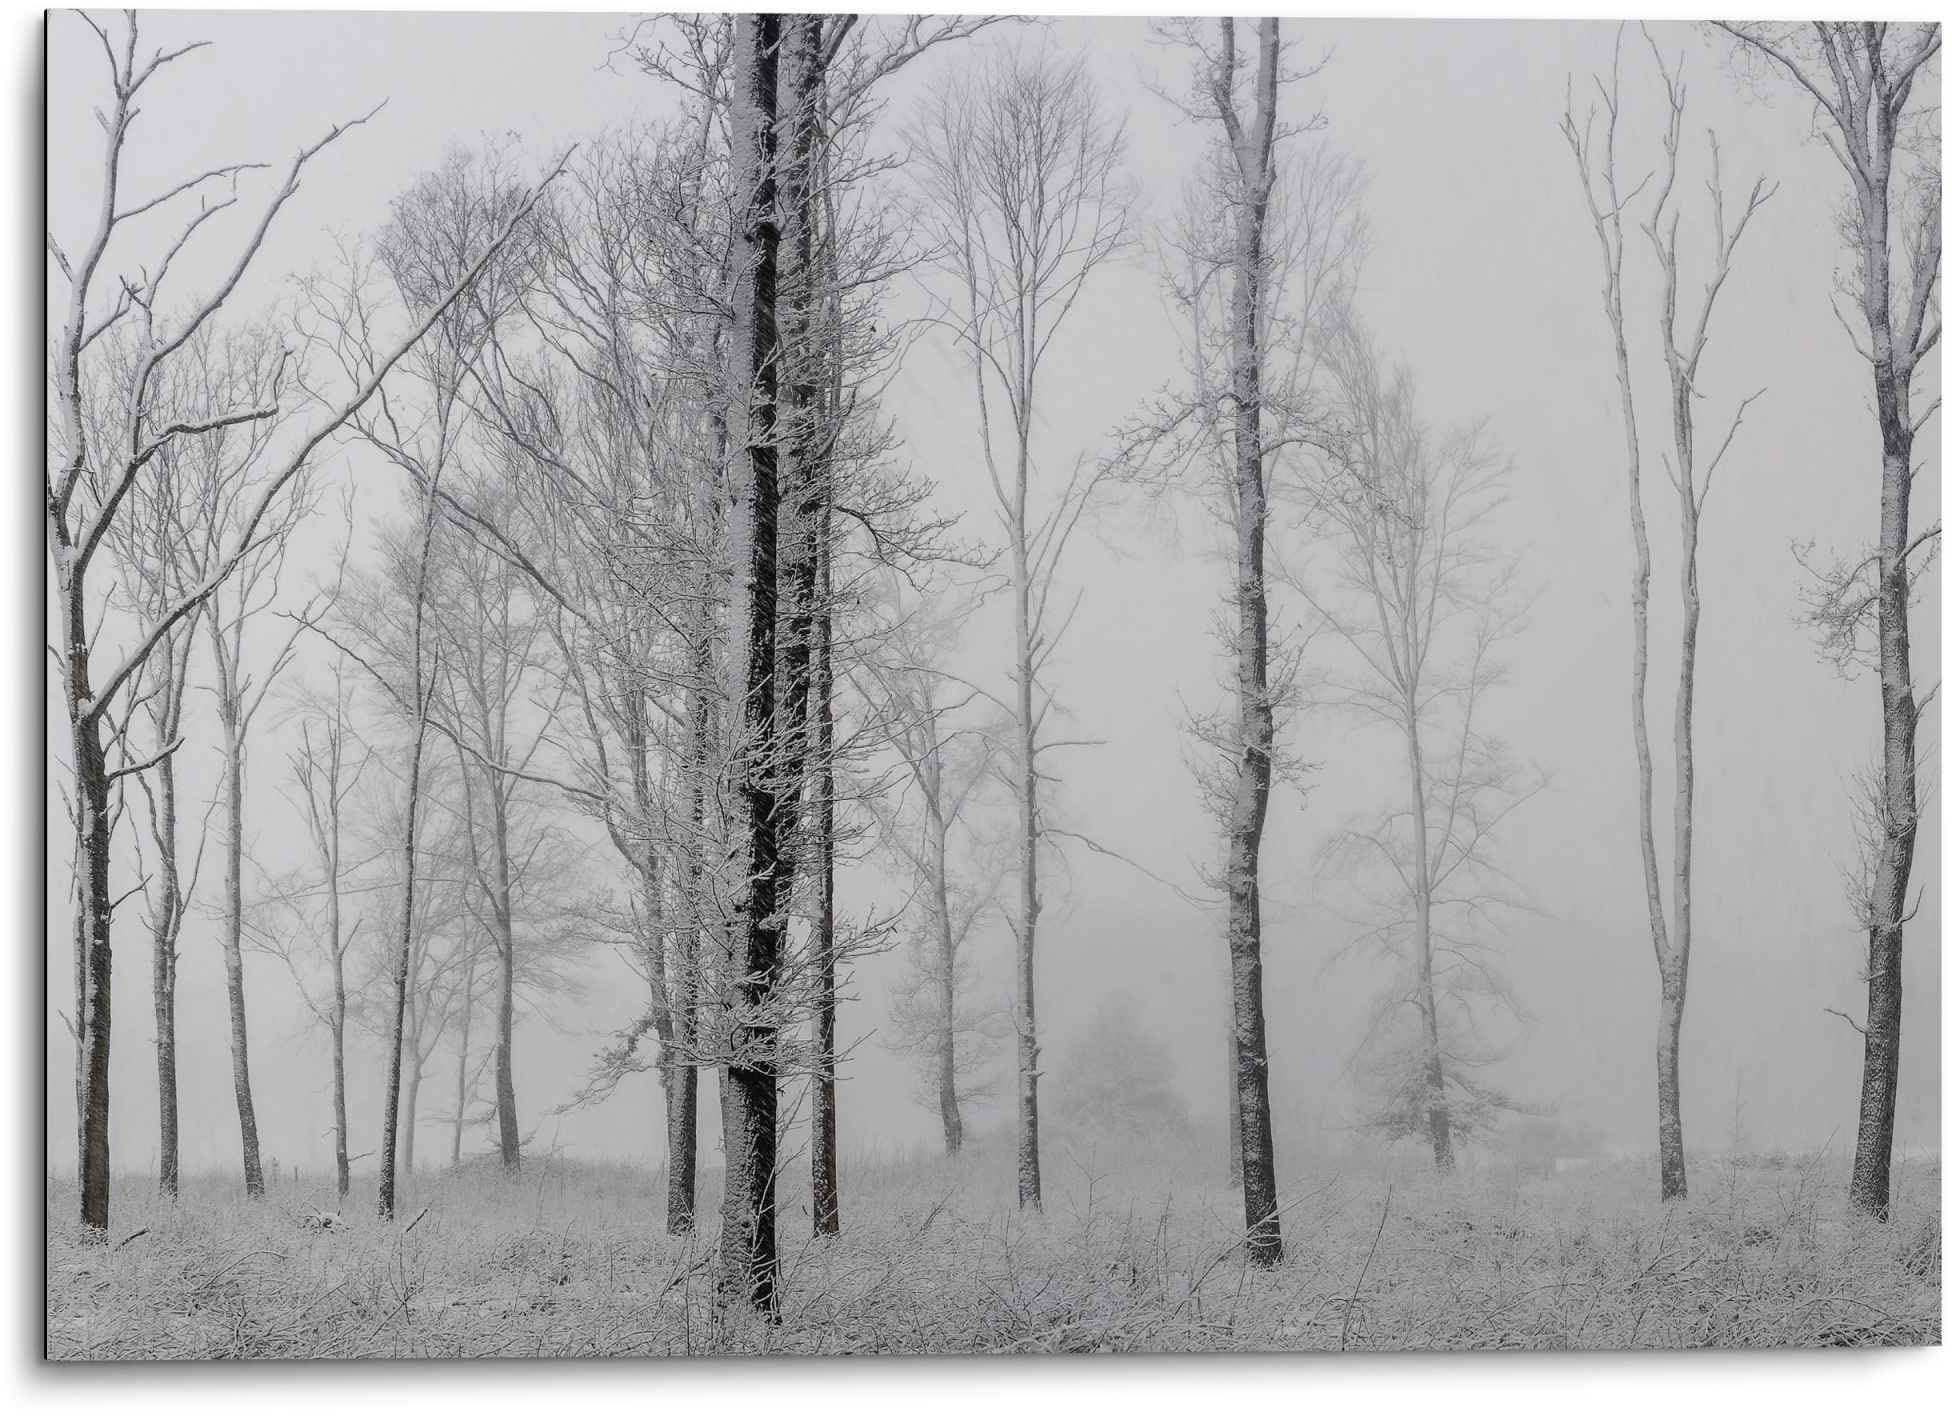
(1483, 279)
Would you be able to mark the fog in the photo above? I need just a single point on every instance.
(1483, 280)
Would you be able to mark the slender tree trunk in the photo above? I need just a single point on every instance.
(1253, 705)
(1030, 1179)
(826, 1130)
(1674, 969)
(504, 916)
(403, 955)
(167, 928)
(461, 1064)
(240, 1048)
(748, 1251)
(1870, 1178)
(1673, 1164)
(410, 1109)
(946, 1100)
(1437, 1113)
(681, 1104)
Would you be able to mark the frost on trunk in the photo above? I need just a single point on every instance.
(748, 1249)
(1682, 349)
(1252, 146)
(825, 1178)
(1873, 87)
(88, 480)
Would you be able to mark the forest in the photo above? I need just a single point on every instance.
(959, 683)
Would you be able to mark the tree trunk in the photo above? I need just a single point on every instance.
(403, 956)
(1030, 1180)
(511, 1136)
(946, 1101)
(1870, 1178)
(748, 1251)
(93, 947)
(1437, 1103)
(240, 1049)
(1255, 710)
(410, 1110)
(461, 1064)
(681, 1096)
(166, 929)
(1234, 1180)
(504, 916)
(826, 1131)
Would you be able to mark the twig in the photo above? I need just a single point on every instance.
(1349, 1309)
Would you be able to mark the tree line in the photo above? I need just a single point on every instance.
(658, 567)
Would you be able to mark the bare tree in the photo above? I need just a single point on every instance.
(1019, 170)
(326, 776)
(160, 544)
(923, 824)
(1873, 89)
(1422, 604)
(1266, 248)
(225, 492)
(88, 481)
(1692, 482)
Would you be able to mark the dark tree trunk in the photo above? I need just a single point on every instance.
(1870, 1178)
(826, 1128)
(1233, 1109)
(93, 948)
(748, 1249)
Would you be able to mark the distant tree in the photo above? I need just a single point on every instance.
(1116, 1076)
(324, 773)
(1875, 90)
(1019, 168)
(1421, 605)
(1673, 937)
(90, 470)
(224, 488)
(924, 825)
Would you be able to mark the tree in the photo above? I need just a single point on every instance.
(940, 772)
(1873, 90)
(1422, 604)
(1672, 939)
(1116, 1077)
(160, 546)
(1019, 170)
(88, 482)
(748, 1245)
(325, 773)
(224, 492)
(1263, 252)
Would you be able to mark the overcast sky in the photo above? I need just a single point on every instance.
(1484, 280)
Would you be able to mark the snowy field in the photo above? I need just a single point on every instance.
(1130, 1255)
